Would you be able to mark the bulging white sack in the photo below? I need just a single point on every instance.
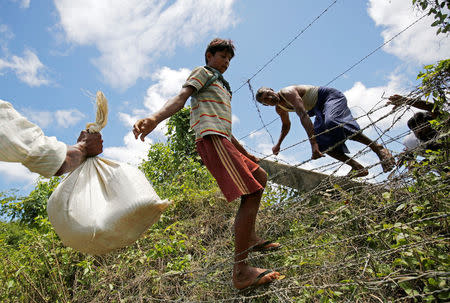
(103, 205)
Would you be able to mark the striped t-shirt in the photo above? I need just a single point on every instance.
(24, 142)
(211, 107)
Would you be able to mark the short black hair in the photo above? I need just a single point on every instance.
(419, 119)
(261, 91)
(419, 123)
(218, 45)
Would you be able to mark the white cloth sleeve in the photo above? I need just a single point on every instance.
(24, 142)
(411, 142)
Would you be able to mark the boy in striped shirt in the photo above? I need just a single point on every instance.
(232, 166)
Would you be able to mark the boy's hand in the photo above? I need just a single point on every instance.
(397, 101)
(92, 142)
(143, 127)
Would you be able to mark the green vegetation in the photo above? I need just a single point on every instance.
(439, 9)
(384, 242)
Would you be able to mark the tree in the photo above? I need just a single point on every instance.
(27, 209)
(181, 136)
(440, 10)
(436, 82)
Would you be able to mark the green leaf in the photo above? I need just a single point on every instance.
(400, 207)
(10, 284)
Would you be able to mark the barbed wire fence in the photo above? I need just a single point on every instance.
(346, 233)
(344, 222)
(336, 239)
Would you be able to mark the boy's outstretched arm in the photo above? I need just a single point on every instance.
(145, 126)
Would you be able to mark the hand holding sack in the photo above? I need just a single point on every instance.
(103, 205)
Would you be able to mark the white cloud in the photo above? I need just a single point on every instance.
(23, 3)
(64, 118)
(362, 99)
(419, 44)
(41, 118)
(235, 119)
(15, 172)
(5, 35)
(259, 133)
(132, 152)
(127, 119)
(28, 69)
(132, 34)
(168, 84)
(67, 118)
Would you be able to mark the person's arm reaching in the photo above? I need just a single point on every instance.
(297, 102)
(285, 127)
(145, 126)
(398, 100)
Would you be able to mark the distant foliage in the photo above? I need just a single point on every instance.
(439, 9)
(27, 209)
(436, 82)
(181, 137)
(173, 174)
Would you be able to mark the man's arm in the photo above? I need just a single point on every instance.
(285, 127)
(88, 145)
(145, 126)
(294, 98)
(24, 142)
(398, 100)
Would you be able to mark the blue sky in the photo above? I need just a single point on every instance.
(54, 56)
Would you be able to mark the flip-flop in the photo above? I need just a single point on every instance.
(262, 246)
(260, 276)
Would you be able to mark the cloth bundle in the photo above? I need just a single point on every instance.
(103, 205)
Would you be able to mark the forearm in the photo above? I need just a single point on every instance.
(421, 104)
(309, 128)
(171, 107)
(76, 155)
(415, 102)
(284, 131)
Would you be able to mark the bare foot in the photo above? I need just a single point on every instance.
(355, 173)
(253, 276)
(387, 161)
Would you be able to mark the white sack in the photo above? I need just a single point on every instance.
(103, 205)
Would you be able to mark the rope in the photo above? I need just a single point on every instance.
(101, 117)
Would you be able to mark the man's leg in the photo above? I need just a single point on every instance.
(386, 159)
(357, 169)
(243, 274)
